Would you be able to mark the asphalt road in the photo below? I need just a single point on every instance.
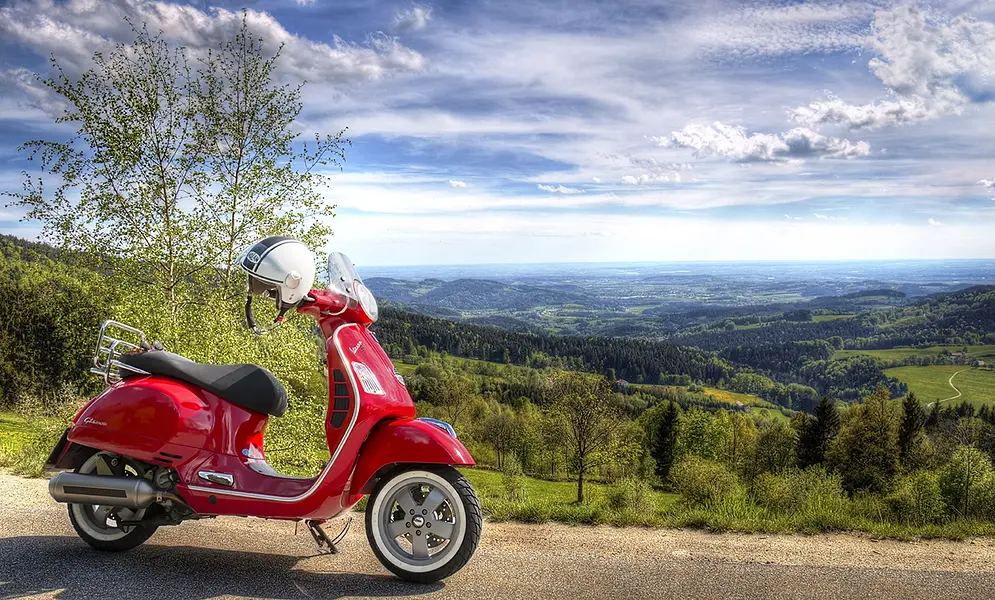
(41, 557)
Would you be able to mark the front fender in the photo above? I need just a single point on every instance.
(405, 441)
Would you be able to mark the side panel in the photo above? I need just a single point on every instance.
(328, 494)
(405, 441)
(162, 421)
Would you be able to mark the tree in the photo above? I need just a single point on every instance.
(866, 451)
(134, 162)
(591, 415)
(554, 432)
(816, 435)
(961, 478)
(501, 431)
(172, 169)
(262, 185)
(911, 428)
(665, 441)
(776, 441)
(703, 434)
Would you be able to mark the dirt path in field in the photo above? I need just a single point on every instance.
(40, 557)
(951, 382)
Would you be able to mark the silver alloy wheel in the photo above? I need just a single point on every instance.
(419, 521)
(100, 521)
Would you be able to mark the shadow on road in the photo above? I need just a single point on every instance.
(44, 564)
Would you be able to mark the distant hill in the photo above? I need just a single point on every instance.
(475, 294)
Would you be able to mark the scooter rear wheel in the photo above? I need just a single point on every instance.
(424, 523)
(97, 525)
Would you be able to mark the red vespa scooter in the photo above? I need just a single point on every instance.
(171, 440)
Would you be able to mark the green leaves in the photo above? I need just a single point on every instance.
(175, 165)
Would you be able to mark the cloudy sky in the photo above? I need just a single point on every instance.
(578, 130)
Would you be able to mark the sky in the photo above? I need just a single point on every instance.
(608, 130)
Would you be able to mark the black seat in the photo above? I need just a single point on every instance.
(248, 386)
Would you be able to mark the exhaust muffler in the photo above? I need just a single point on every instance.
(105, 490)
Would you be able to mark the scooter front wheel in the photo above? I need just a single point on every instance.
(424, 523)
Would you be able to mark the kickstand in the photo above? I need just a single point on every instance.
(325, 544)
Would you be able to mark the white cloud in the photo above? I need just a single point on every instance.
(934, 222)
(305, 2)
(932, 64)
(790, 218)
(417, 17)
(764, 30)
(457, 184)
(74, 30)
(651, 178)
(733, 142)
(990, 185)
(596, 179)
(559, 189)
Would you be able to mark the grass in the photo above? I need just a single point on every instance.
(24, 444)
(932, 383)
(984, 352)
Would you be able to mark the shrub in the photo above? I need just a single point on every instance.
(773, 492)
(963, 480)
(703, 482)
(917, 499)
(629, 494)
(512, 480)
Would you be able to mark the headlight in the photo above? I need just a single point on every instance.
(366, 300)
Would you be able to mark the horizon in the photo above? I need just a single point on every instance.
(822, 131)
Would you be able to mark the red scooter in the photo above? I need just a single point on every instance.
(171, 440)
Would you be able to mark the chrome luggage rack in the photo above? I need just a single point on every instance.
(105, 359)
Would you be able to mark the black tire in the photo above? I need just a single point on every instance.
(135, 537)
(471, 538)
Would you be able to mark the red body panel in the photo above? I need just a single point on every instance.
(405, 441)
(171, 423)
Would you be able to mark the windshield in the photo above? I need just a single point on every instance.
(342, 275)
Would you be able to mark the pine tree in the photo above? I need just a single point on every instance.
(666, 439)
(913, 423)
(818, 433)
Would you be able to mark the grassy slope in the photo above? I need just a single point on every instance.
(932, 383)
(985, 352)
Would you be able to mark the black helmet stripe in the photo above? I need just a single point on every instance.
(254, 257)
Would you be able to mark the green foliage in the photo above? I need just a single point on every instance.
(512, 480)
(665, 441)
(703, 436)
(917, 499)
(866, 450)
(629, 494)
(47, 335)
(965, 483)
(172, 169)
(776, 441)
(702, 482)
(817, 434)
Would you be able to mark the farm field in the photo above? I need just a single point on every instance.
(932, 383)
(983, 352)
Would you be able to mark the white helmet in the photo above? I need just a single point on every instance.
(280, 267)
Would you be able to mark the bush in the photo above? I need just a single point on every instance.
(512, 480)
(917, 499)
(773, 492)
(963, 481)
(629, 494)
(703, 482)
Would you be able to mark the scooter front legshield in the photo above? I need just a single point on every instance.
(406, 441)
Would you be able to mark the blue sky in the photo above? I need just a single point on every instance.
(576, 131)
